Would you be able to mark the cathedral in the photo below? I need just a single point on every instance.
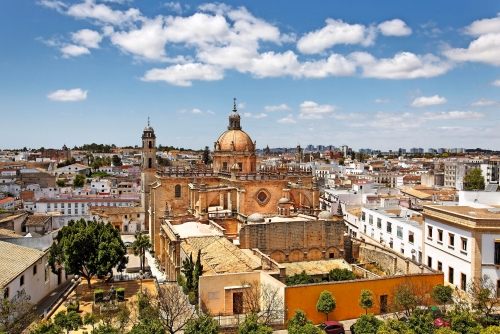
(228, 192)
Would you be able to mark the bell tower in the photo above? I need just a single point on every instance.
(148, 148)
(148, 171)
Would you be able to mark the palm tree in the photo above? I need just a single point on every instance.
(141, 244)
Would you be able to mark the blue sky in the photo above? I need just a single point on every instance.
(369, 74)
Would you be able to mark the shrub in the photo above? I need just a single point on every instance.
(98, 295)
(120, 293)
(341, 275)
(74, 306)
(192, 297)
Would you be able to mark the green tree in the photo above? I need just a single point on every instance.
(106, 329)
(482, 292)
(301, 278)
(149, 325)
(206, 156)
(300, 324)
(204, 324)
(16, 313)
(90, 319)
(197, 272)
(251, 326)
(367, 324)
(491, 330)
(338, 274)
(88, 249)
(187, 270)
(45, 327)
(393, 326)
(61, 182)
(116, 160)
(445, 330)
(140, 246)
(463, 321)
(474, 180)
(442, 294)
(421, 322)
(326, 303)
(70, 321)
(366, 300)
(79, 180)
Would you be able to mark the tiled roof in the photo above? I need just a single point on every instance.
(5, 200)
(100, 210)
(6, 233)
(14, 260)
(37, 220)
(218, 255)
(9, 218)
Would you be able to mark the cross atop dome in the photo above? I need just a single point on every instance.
(234, 119)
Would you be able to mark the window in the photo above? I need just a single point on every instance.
(440, 266)
(464, 244)
(400, 232)
(389, 227)
(224, 166)
(47, 273)
(451, 273)
(429, 262)
(370, 219)
(363, 217)
(440, 236)
(177, 191)
(34, 269)
(379, 223)
(6, 293)
(463, 282)
(402, 248)
(497, 252)
(429, 232)
(452, 239)
(383, 303)
(364, 229)
(21, 281)
(411, 236)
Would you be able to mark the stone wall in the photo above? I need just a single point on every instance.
(292, 241)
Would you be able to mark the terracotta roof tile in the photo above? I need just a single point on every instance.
(14, 260)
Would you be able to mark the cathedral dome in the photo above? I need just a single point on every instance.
(148, 128)
(325, 215)
(236, 140)
(255, 218)
(284, 200)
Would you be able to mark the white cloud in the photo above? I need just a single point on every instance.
(88, 38)
(336, 32)
(485, 49)
(210, 112)
(287, 120)
(404, 65)
(482, 102)
(277, 108)
(310, 107)
(241, 105)
(453, 115)
(424, 101)
(57, 5)
(181, 75)
(196, 111)
(250, 115)
(496, 83)
(382, 100)
(394, 27)
(74, 50)
(68, 95)
(148, 41)
(483, 27)
(174, 6)
(103, 14)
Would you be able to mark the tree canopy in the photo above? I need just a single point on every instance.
(88, 248)
(326, 303)
(474, 180)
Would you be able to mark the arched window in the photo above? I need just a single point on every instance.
(150, 163)
(177, 191)
(150, 144)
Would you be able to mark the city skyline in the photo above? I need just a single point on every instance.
(361, 74)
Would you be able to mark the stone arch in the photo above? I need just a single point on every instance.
(314, 254)
(334, 251)
(295, 196)
(296, 255)
(278, 256)
(213, 198)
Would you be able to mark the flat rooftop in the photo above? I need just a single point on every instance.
(467, 211)
(194, 229)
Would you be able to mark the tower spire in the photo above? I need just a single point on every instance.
(234, 106)
(148, 120)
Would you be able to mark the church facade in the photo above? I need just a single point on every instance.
(228, 192)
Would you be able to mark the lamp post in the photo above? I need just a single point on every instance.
(76, 280)
(140, 276)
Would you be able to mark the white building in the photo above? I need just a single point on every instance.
(100, 186)
(71, 169)
(463, 242)
(7, 203)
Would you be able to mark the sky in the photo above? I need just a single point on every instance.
(367, 74)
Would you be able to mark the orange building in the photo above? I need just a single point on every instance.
(347, 293)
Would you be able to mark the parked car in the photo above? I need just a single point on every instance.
(352, 328)
(332, 327)
(440, 322)
(127, 244)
